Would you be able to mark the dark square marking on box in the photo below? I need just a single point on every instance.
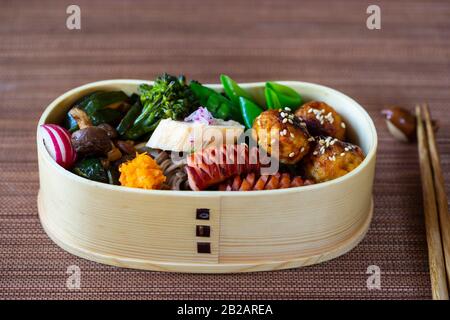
(202, 214)
(203, 247)
(203, 231)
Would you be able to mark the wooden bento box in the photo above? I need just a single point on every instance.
(249, 231)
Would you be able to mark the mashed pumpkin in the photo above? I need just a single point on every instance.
(141, 172)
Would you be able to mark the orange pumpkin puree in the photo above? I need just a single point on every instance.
(141, 172)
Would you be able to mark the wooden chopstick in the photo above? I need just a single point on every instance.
(435, 254)
(439, 187)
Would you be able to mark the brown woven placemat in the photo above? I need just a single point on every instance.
(327, 42)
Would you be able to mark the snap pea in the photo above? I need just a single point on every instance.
(219, 106)
(233, 90)
(272, 100)
(224, 109)
(287, 96)
(249, 110)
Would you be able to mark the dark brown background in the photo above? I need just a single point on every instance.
(327, 42)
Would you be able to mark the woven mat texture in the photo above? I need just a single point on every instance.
(326, 42)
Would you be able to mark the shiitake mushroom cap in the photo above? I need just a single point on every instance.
(91, 141)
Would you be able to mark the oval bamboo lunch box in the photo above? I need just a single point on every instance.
(248, 231)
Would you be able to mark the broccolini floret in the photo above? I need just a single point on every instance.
(169, 97)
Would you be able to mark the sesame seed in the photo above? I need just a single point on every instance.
(343, 125)
(285, 120)
(283, 114)
(342, 154)
(310, 110)
(290, 121)
(292, 135)
(347, 149)
(302, 149)
(311, 139)
(329, 117)
(292, 154)
(287, 109)
(315, 153)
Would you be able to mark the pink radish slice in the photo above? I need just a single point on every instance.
(58, 144)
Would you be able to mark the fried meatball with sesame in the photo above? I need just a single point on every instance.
(331, 159)
(280, 131)
(322, 119)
